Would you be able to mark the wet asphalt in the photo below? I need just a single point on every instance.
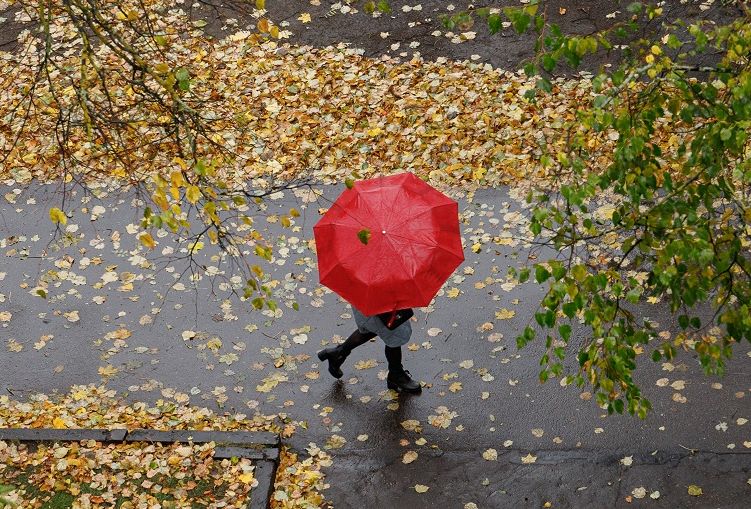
(160, 336)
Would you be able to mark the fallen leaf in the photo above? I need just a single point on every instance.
(529, 459)
(639, 492)
(409, 457)
(504, 314)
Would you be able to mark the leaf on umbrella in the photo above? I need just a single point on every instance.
(364, 235)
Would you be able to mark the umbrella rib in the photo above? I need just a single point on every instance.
(426, 211)
(415, 241)
(401, 262)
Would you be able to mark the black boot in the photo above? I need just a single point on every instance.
(400, 381)
(336, 356)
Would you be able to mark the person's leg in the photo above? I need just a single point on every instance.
(394, 358)
(356, 339)
(336, 355)
(399, 379)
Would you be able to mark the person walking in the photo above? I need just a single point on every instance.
(368, 327)
(386, 245)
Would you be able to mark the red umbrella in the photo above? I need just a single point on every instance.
(389, 243)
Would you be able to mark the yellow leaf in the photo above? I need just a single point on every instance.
(529, 459)
(79, 395)
(294, 213)
(58, 216)
(177, 179)
(285, 222)
(160, 199)
(260, 4)
(504, 314)
(421, 488)
(247, 477)
(147, 240)
(453, 293)
(274, 32)
(196, 246)
(304, 17)
(192, 194)
(695, 490)
(409, 457)
(107, 370)
(58, 423)
(476, 247)
(375, 131)
(180, 161)
(263, 25)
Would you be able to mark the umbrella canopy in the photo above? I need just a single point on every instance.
(413, 243)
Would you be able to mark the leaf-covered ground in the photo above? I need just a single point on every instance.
(90, 304)
(292, 110)
(95, 475)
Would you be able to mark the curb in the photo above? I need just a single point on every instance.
(261, 447)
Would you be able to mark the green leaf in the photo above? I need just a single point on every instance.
(570, 309)
(544, 85)
(683, 321)
(565, 331)
(524, 275)
(559, 272)
(618, 405)
(541, 273)
(635, 7)
(495, 23)
(384, 6)
(364, 235)
(548, 62)
(349, 182)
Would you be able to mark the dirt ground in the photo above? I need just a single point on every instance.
(417, 27)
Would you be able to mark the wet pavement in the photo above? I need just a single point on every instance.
(133, 319)
(118, 314)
